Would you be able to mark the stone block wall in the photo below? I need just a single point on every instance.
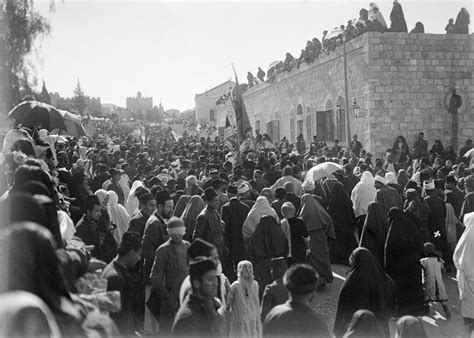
(399, 80)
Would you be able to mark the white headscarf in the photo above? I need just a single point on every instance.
(463, 259)
(118, 216)
(101, 193)
(131, 204)
(363, 194)
(390, 178)
(261, 208)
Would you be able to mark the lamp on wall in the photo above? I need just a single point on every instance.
(355, 109)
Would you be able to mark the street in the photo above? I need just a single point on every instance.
(436, 324)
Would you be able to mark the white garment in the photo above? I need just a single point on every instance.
(433, 279)
(118, 216)
(464, 261)
(66, 225)
(363, 194)
(261, 208)
(288, 178)
(285, 227)
(131, 204)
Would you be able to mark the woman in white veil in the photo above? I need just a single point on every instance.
(131, 204)
(118, 216)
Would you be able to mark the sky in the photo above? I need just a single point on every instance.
(174, 50)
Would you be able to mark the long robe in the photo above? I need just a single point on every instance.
(388, 197)
(193, 208)
(363, 194)
(375, 231)
(402, 263)
(398, 19)
(320, 228)
(341, 211)
(464, 261)
(261, 208)
(367, 286)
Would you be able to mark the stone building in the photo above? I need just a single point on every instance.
(139, 103)
(206, 109)
(398, 84)
(93, 104)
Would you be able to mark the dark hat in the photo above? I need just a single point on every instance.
(162, 196)
(209, 194)
(141, 191)
(450, 180)
(145, 198)
(201, 266)
(200, 247)
(91, 201)
(232, 189)
(114, 172)
(130, 241)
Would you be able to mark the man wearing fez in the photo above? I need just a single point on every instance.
(146, 207)
(86, 227)
(154, 235)
(198, 316)
(234, 213)
(169, 270)
(119, 278)
(208, 223)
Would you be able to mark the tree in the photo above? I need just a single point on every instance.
(44, 96)
(79, 98)
(23, 25)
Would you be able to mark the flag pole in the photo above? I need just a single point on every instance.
(233, 103)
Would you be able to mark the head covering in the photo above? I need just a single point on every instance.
(175, 226)
(374, 232)
(410, 327)
(429, 185)
(101, 193)
(131, 204)
(118, 216)
(315, 216)
(245, 274)
(261, 208)
(363, 194)
(308, 186)
(181, 205)
(200, 248)
(193, 208)
(267, 193)
(209, 194)
(390, 178)
(402, 178)
(243, 188)
(411, 194)
(201, 266)
(364, 324)
(162, 196)
(90, 201)
(379, 179)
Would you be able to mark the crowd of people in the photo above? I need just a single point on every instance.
(371, 20)
(201, 242)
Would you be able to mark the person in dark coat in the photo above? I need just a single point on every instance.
(115, 186)
(418, 210)
(197, 316)
(386, 196)
(402, 263)
(367, 286)
(86, 228)
(461, 26)
(280, 195)
(146, 208)
(419, 28)
(267, 242)
(234, 214)
(208, 223)
(350, 180)
(296, 317)
(375, 231)
(275, 293)
(454, 196)
(398, 19)
(296, 230)
(341, 211)
(290, 195)
(119, 278)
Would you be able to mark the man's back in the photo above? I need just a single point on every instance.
(294, 319)
(197, 318)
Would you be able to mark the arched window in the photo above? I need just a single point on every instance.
(299, 110)
(341, 118)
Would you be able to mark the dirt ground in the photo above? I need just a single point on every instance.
(436, 325)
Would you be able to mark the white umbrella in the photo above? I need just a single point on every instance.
(322, 170)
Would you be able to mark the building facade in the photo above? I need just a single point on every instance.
(93, 104)
(397, 84)
(206, 110)
(139, 103)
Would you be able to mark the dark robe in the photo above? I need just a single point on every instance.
(267, 242)
(298, 246)
(467, 206)
(461, 25)
(402, 263)
(293, 199)
(375, 231)
(418, 211)
(275, 294)
(367, 286)
(398, 19)
(137, 223)
(87, 230)
(208, 227)
(456, 199)
(437, 226)
(388, 198)
(350, 182)
(341, 211)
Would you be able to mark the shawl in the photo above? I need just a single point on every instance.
(181, 205)
(131, 203)
(261, 208)
(118, 216)
(374, 232)
(367, 286)
(315, 216)
(267, 192)
(193, 208)
(464, 253)
(101, 193)
(363, 194)
(267, 241)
